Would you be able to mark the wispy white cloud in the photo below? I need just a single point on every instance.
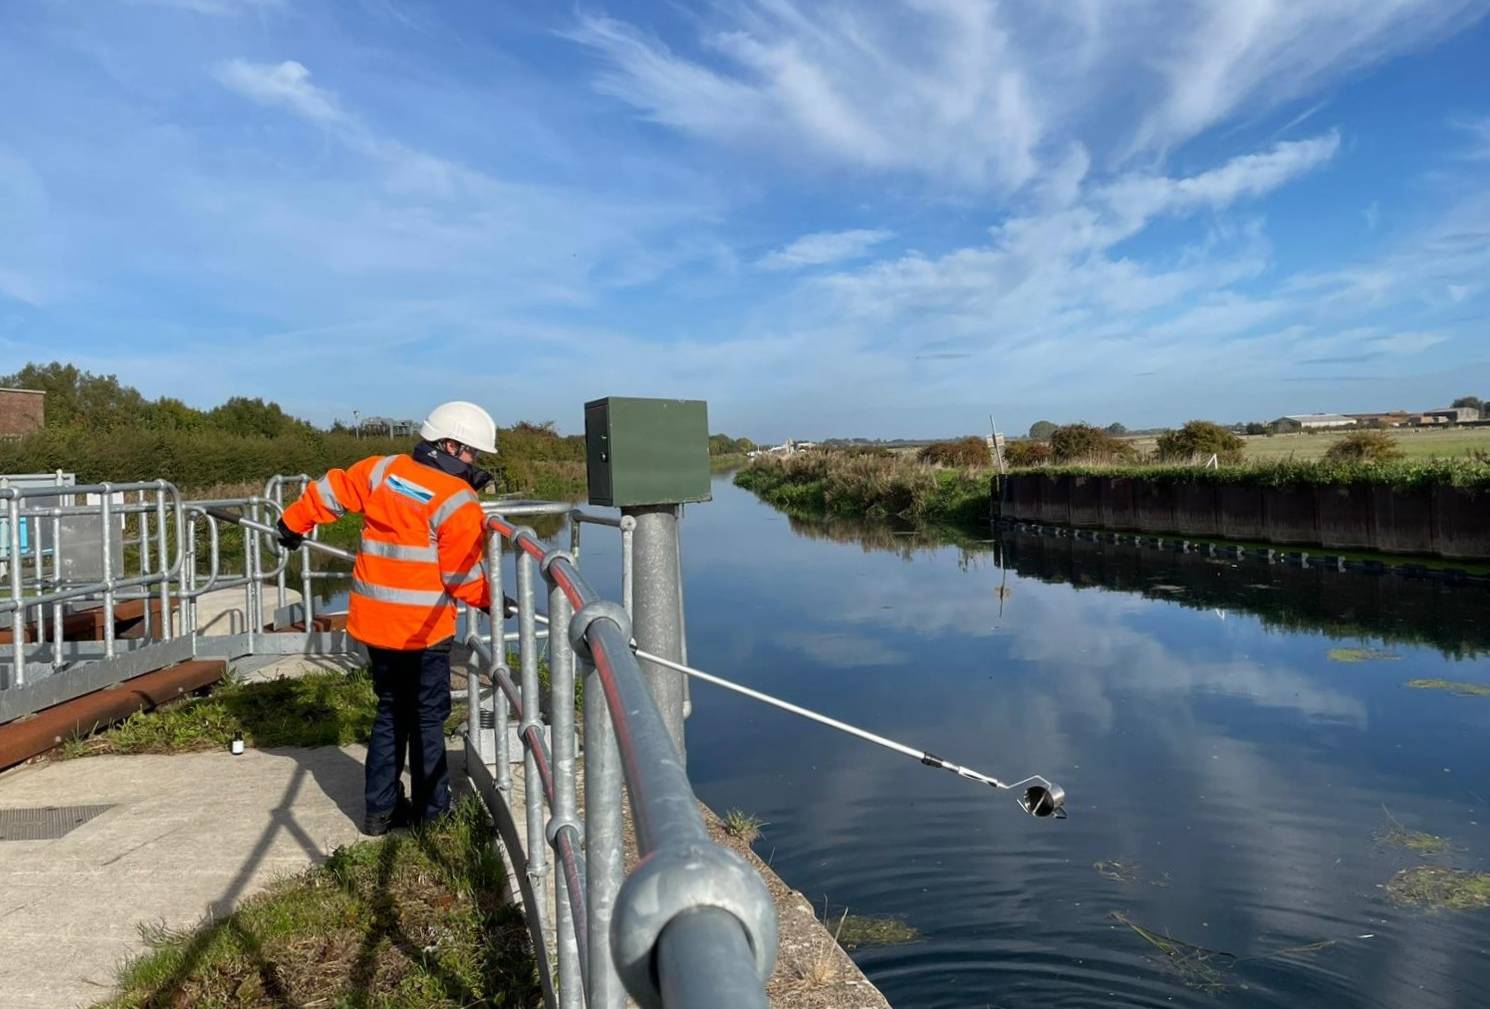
(986, 95)
(1216, 58)
(215, 8)
(824, 247)
(1048, 271)
(939, 91)
(286, 85)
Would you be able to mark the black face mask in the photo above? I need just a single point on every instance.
(431, 454)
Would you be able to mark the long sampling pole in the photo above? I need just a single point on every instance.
(1039, 797)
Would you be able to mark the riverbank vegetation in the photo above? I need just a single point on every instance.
(951, 482)
(870, 485)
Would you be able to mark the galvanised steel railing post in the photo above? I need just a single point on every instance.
(497, 663)
(58, 631)
(533, 791)
(146, 616)
(252, 608)
(41, 586)
(628, 529)
(274, 491)
(605, 863)
(184, 599)
(106, 511)
(17, 615)
(565, 817)
(473, 685)
(165, 562)
(657, 621)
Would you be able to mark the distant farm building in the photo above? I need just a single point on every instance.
(1317, 421)
(1395, 418)
(1448, 415)
(22, 411)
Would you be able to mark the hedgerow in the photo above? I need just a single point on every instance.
(1470, 473)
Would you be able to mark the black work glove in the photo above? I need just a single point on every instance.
(479, 478)
(288, 538)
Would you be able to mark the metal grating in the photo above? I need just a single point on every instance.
(45, 823)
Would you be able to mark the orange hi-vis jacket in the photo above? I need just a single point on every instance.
(423, 547)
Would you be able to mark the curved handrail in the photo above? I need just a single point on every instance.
(688, 892)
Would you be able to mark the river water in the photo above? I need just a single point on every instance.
(1243, 779)
(1236, 740)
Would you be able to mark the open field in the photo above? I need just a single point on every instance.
(1417, 443)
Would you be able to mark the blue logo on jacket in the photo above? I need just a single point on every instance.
(410, 489)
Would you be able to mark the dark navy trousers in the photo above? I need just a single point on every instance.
(413, 691)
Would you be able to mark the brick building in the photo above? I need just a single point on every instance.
(21, 411)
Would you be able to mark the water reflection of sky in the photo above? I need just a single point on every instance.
(1242, 770)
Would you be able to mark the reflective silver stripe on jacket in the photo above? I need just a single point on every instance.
(328, 497)
(476, 574)
(450, 506)
(404, 597)
(398, 551)
(375, 478)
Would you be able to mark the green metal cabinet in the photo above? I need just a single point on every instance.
(647, 451)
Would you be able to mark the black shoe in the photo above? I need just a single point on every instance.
(377, 824)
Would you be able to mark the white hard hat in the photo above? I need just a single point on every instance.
(460, 421)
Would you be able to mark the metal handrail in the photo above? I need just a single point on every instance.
(693, 918)
(108, 586)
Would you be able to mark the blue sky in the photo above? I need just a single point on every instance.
(879, 219)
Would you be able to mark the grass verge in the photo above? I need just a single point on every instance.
(318, 709)
(413, 919)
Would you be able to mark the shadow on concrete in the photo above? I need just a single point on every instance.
(339, 775)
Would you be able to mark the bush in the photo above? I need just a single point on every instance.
(1084, 443)
(1040, 430)
(969, 451)
(1365, 446)
(1200, 439)
(1026, 453)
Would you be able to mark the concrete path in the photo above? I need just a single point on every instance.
(221, 611)
(181, 837)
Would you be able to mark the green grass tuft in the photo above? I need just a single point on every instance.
(742, 826)
(1361, 655)
(855, 931)
(413, 919)
(1438, 889)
